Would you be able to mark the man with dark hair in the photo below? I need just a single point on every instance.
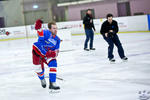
(45, 50)
(88, 25)
(109, 30)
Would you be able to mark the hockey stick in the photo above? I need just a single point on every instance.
(67, 50)
(60, 78)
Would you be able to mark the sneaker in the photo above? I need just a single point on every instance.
(86, 49)
(43, 83)
(92, 48)
(53, 86)
(124, 58)
(112, 60)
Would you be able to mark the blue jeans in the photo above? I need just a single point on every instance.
(89, 36)
(111, 41)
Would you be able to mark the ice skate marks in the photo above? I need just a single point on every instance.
(52, 91)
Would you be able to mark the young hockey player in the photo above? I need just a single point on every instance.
(45, 50)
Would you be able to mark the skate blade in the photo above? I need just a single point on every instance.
(112, 62)
(124, 60)
(52, 91)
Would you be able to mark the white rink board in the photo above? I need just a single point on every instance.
(65, 36)
(132, 23)
(15, 32)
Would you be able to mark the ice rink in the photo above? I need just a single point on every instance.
(88, 75)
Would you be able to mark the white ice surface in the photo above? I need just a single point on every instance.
(87, 75)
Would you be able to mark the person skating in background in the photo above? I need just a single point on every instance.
(109, 30)
(45, 50)
(89, 26)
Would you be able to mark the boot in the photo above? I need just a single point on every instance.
(124, 58)
(53, 86)
(92, 49)
(112, 60)
(43, 83)
(86, 49)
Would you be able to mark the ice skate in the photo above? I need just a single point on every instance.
(112, 60)
(86, 49)
(92, 49)
(54, 88)
(43, 83)
(124, 59)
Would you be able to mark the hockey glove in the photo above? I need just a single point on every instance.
(51, 54)
(38, 24)
(111, 34)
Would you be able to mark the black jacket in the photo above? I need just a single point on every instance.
(86, 22)
(106, 26)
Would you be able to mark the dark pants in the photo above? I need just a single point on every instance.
(111, 41)
(89, 36)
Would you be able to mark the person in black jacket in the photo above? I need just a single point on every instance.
(109, 30)
(88, 25)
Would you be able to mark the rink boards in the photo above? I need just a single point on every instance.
(126, 24)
